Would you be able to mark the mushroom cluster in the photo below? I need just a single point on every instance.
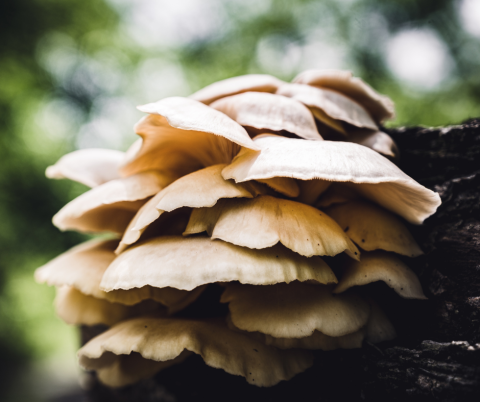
(241, 187)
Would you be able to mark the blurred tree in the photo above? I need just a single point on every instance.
(72, 71)
(27, 199)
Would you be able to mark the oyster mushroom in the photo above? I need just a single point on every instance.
(91, 167)
(166, 340)
(255, 214)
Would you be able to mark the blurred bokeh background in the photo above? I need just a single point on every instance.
(72, 72)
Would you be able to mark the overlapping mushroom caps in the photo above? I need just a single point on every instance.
(242, 187)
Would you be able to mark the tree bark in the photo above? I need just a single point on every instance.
(436, 356)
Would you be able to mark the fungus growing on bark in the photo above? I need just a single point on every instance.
(256, 212)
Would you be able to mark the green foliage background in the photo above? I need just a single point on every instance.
(72, 69)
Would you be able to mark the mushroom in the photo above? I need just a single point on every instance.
(379, 106)
(173, 261)
(369, 173)
(202, 188)
(90, 167)
(181, 135)
(110, 206)
(330, 103)
(294, 310)
(166, 340)
(83, 267)
(316, 341)
(76, 308)
(372, 228)
(236, 85)
(381, 266)
(264, 221)
(256, 210)
(267, 111)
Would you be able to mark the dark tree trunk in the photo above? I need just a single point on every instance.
(436, 356)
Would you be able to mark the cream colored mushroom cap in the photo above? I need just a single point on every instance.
(380, 106)
(182, 135)
(316, 341)
(202, 188)
(373, 176)
(373, 228)
(264, 221)
(376, 140)
(381, 266)
(165, 339)
(379, 328)
(294, 310)
(91, 167)
(83, 267)
(121, 370)
(268, 111)
(110, 206)
(332, 103)
(76, 308)
(188, 263)
(236, 85)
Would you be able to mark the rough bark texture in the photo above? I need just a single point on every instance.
(436, 356)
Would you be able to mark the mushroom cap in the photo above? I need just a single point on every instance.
(90, 167)
(311, 190)
(336, 193)
(372, 228)
(121, 370)
(331, 103)
(76, 308)
(372, 175)
(376, 140)
(268, 111)
(379, 106)
(182, 135)
(379, 328)
(83, 266)
(202, 188)
(381, 266)
(316, 341)
(188, 263)
(294, 310)
(110, 206)
(264, 221)
(236, 85)
(164, 339)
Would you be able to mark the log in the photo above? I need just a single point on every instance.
(436, 356)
